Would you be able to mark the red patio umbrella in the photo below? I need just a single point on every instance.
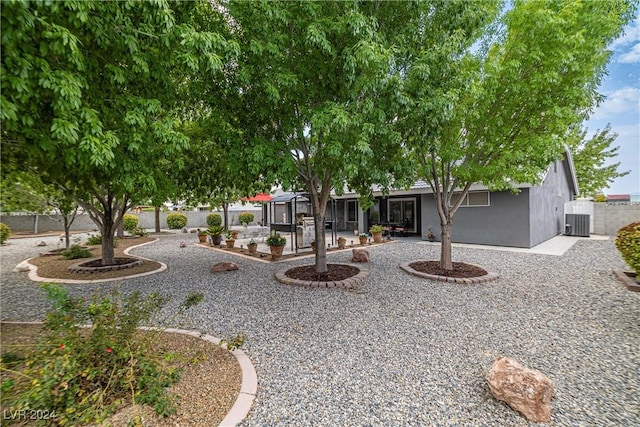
(260, 197)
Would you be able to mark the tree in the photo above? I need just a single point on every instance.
(589, 157)
(91, 91)
(497, 116)
(315, 83)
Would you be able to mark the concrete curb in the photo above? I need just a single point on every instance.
(490, 276)
(33, 270)
(248, 388)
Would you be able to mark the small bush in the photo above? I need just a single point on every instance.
(628, 244)
(214, 219)
(75, 252)
(245, 217)
(176, 221)
(94, 239)
(139, 231)
(129, 222)
(83, 377)
(275, 239)
(5, 232)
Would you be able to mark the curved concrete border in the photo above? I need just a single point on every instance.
(349, 283)
(33, 270)
(248, 388)
(490, 276)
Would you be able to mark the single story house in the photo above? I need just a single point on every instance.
(501, 218)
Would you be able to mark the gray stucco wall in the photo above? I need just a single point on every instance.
(547, 205)
(504, 223)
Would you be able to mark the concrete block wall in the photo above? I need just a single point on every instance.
(608, 219)
(195, 219)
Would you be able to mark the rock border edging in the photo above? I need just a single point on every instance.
(489, 277)
(248, 387)
(349, 283)
(629, 282)
(33, 270)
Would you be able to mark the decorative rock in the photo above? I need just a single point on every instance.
(183, 244)
(22, 267)
(185, 230)
(42, 243)
(360, 255)
(224, 266)
(527, 391)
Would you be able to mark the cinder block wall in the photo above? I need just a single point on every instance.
(608, 219)
(146, 220)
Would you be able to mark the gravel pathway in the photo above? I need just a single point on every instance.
(401, 350)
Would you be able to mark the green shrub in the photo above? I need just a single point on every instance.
(75, 252)
(628, 244)
(275, 239)
(94, 239)
(129, 222)
(245, 217)
(214, 219)
(5, 232)
(84, 375)
(176, 221)
(139, 231)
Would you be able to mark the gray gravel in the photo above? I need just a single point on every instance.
(401, 350)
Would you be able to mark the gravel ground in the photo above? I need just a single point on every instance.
(401, 350)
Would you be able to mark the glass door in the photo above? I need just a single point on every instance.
(403, 211)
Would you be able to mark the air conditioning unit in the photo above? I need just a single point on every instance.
(577, 225)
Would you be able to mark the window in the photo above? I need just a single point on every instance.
(351, 211)
(476, 198)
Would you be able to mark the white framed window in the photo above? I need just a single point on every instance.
(472, 198)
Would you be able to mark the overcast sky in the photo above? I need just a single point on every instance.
(621, 108)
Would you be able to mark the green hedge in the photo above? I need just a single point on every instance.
(214, 219)
(628, 243)
(176, 221)
(5, 232)
(129, 222)
(245, 217)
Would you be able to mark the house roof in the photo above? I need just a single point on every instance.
(421, 186)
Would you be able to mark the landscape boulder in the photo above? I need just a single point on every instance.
(224, 266)
(527, 391)
(42, 243)
(360, 255)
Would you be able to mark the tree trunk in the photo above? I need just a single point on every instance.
(225, 213)
(108, 230)
(35, 223)
(121, 229)
(321, 247)
(445, 248)
(157, 212)
(67, 233)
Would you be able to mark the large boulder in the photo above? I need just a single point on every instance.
(224, 266)
(526, 390)
(360, 255)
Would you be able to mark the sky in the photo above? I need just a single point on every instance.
(621, 108)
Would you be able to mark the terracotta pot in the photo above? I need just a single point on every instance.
(234, 234)
(202, 238)
(363, 240)
(377, 237)
(230, 243)
(276, 251)
(341, 243)
(252, 248)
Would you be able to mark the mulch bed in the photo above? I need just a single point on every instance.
(336, 272)
(460, 269)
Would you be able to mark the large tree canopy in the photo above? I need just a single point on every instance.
(498, 116)
(589, 157)
(90, 92)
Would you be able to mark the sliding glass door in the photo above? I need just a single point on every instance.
(401, 211)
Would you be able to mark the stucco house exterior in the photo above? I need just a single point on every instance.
(524, 219)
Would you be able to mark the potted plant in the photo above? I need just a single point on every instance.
(431, 235)
(252, 246)
(276, 244)
(230, 240)
(234, 234)
(202, 235)
(363, 238)
(376, 231)
(356, 231)
(215, 231)
(341, 242)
